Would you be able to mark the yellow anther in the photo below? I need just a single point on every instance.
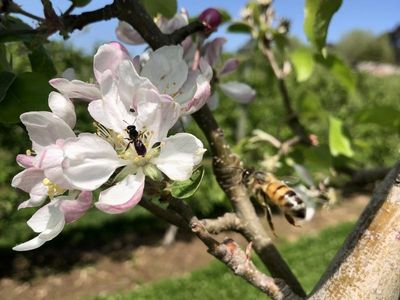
(52, 188)
(28, 152)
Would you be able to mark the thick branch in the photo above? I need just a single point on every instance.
(228, 170)
(368, 264)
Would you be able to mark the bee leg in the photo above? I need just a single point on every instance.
(291, 220)
(127, 146)
(269, 219)
(261, 199)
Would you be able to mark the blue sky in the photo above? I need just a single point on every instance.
(364, 14)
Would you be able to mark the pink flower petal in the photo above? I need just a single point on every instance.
(122, 196)
(74, 209)
(229, 66)
(25, 161)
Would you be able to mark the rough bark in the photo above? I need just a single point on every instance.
(368, 264)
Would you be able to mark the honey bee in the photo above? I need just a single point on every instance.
(266, 187)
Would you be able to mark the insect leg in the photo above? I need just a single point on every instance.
(291, 220)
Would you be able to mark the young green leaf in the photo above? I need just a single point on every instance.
(303, 62)
(317, 16)
(239, 27)
(339, 143)
(187, 188)
(339, 70)
(28, 91)
(167, 8)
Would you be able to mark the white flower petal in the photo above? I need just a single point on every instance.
(213, 50)
(31, 181)
(129, 83)
(179, 154)
(45, 128)
(73, 209)
(203, 90)
(127, 34)
(122, 196)
(166, 69)
(49, 221)
(110, 111)
(108, 57)
(63, 108)
(89, 161)
(239, 91)
(27, 179)
(76, 89)
(157, 113)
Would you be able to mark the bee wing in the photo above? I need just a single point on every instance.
(290, 180)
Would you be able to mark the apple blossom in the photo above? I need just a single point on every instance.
(90, 161)
(165, 72)
(43, 176)
(47, 130)
(211, 18)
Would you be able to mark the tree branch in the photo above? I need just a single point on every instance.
(230, 253)
(367, 266)
(228, 171)
(164, 214)
(227, 222)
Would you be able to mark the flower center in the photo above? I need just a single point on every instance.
(52, 188)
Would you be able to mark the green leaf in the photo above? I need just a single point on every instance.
(185, 189)
(10, 24)
(339, 70)
(80, 3)
(4, 63)
(239, 27)
(225, 16)
(317, 16)
(303, 62)
(29, 91)
(383, 115)
(6, 79)
(339, 143)
(317, 158)
(167, 8)
(40, 60)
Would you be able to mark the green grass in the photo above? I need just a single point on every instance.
(308, 258)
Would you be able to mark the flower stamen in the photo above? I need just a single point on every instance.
(52, 188)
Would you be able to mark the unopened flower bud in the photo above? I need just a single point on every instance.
(211, 18)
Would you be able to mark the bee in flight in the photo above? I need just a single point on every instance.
(266, 187)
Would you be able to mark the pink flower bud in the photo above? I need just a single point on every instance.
(211, 18)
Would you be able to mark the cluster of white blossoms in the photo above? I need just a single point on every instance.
(134, 104)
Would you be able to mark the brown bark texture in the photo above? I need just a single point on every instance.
(368, 264)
